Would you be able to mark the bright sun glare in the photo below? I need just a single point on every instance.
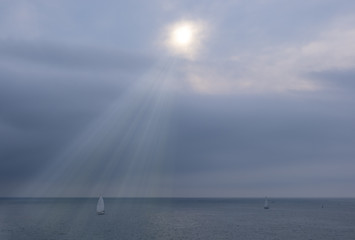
(182, 35)
(184, 38)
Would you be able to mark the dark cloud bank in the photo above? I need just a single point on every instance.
(285, 144)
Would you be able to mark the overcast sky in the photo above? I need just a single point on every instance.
(100, 97)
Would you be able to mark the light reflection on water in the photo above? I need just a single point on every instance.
(243, 218)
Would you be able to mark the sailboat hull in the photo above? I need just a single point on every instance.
(100, 208)
(266, 203)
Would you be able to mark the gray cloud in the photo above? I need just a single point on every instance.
(71, 58)
(262, 131)
(41, 110)
(89, 102)
(336, 79)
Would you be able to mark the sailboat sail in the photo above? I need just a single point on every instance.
(266, 204)
(100, 208)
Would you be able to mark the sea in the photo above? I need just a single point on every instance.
(177, 218)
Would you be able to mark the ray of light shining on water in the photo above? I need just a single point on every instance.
(122, 152)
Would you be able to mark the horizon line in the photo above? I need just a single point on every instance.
(180, 197)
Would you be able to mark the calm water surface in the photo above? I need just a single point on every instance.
(177, 219)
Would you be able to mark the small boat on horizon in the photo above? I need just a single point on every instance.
(266, 203)
(100, 207)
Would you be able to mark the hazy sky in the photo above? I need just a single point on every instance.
(253, 98)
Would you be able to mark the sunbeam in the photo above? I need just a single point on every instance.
(122, 152)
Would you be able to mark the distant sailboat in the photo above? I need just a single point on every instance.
(100, 207)
(266, 204)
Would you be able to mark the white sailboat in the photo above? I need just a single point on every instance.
(100, 207)
(266, 203)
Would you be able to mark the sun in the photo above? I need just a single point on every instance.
(183, 35)
(183, 38)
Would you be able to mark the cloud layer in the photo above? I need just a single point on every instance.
(91, 101)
